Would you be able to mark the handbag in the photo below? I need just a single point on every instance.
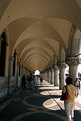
(64, 96)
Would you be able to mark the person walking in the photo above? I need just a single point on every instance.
(36, 82)
(31, 81)
(23, 83)
(41, 80)
(69, 103)
(77, 85)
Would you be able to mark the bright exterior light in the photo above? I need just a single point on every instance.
(79, 68)
(37, 72)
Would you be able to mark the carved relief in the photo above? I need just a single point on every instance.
(55, 68)
(73, 60)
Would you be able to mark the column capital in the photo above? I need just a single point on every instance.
(1, 38)
(52, 69)
(11, 58)
(55, 68)
(73, 60)
(18, 62)
(62, 65)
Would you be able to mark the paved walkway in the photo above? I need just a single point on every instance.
(36, 105)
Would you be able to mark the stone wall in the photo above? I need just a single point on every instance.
(3, 86)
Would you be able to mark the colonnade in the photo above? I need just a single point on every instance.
(56, 74)
(14, 80)
(11, 80)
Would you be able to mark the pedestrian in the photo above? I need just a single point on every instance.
(70, 102)
(23, 83)
(77, 85)
(36, 81)
(31, 81)
(41, 80)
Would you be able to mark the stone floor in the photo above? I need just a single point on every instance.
(36, 105)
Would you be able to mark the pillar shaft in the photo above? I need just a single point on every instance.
(10, 73)
(49, 76)
(73, 63)
(56, 76)
(45, 78)
(7, 61)
(52, 76)
(0, 44)
(17, 74)
(62, 68)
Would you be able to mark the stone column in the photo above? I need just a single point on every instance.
(20, 69)
(17, 75)
(10, 73)
(6, 61)
(0, 44)
(73, 66)
(49, 76)
(16, 64)
(52, 76)
(56, 76)
(62, 68)
(23, 70)
(45, 76)
(16, 70)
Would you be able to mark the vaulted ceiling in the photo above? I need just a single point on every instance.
(38, 28)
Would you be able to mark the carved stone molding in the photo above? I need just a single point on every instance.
(1, 38)
(11, 58)
(73, 61)
(55, 68)
(62, 65)
(52, 69)
(19, 63)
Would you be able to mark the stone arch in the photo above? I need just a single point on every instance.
(41, 51)
(61, 55)
(74, 42)
(44, 34)
(14, 62)
(44, 9)
(28, 42)
(3, 54)
(41, 55)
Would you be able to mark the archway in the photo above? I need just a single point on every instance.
(37, 72)
(3, 54)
